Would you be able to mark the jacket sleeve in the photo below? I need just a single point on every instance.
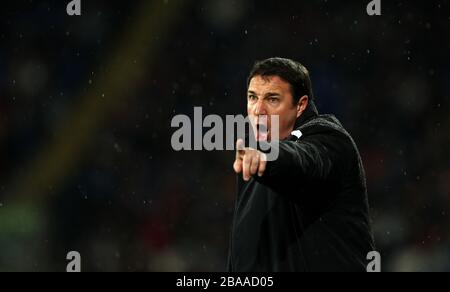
(314, 158)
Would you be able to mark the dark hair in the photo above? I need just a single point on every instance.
(290, 71)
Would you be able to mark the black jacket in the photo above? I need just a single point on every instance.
(309, 212)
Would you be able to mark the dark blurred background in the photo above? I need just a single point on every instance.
(86, 104)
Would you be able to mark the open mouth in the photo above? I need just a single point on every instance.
(262, 132)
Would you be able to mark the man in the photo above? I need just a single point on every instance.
(307, 210)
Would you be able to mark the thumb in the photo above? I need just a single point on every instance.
(237, 166)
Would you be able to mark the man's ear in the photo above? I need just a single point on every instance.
(302, 105)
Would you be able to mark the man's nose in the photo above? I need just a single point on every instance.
(260, 109)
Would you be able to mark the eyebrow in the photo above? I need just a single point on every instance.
(269, 94)
(272, 94)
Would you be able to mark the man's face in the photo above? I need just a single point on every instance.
(268, 96)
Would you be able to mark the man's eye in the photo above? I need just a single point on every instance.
(273, 100)
(252, 97)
